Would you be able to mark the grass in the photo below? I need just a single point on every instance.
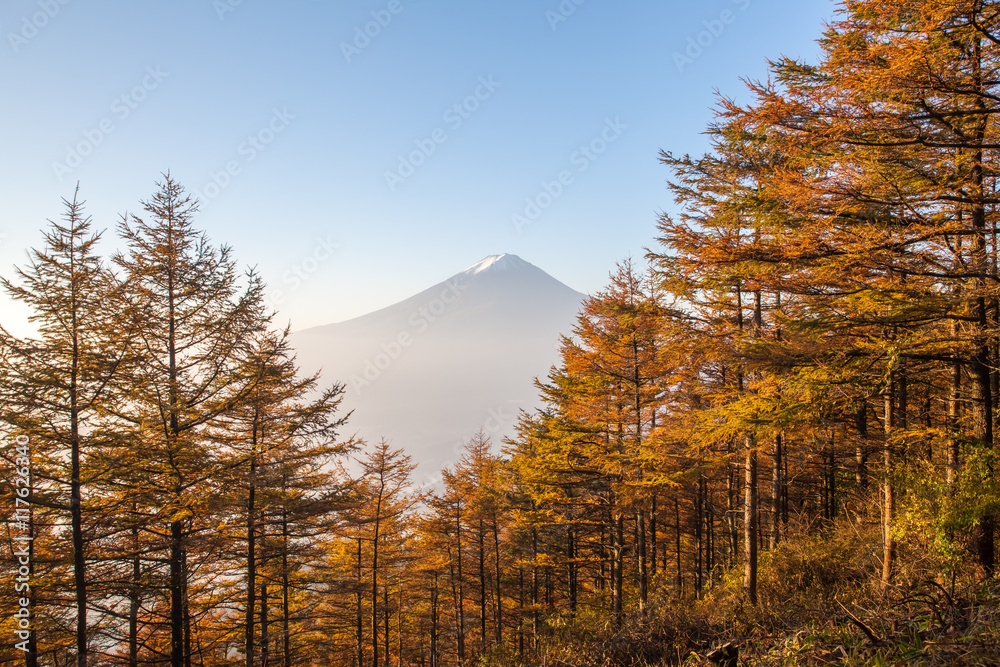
(820, 603)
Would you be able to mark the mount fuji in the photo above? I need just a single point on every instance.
(428, 372)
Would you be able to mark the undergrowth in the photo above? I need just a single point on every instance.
(821, 602)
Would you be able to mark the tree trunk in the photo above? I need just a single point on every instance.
(265, 627)
(385, 619)
(571, 568)
(619, 567)
(534, 587)
(677, 545)
(188, 653)
(133, 592)
(928, 425)
(359, 620)
(434, 622)
(640, 528)
(374, 588)
(251, 603)
(399, 623)
(177, 601)
(831, 482)
(76, 518)
(286, 633)
(699, 509)
(498, 629)
(31, 655)
(776, 480)
(732, 490)
(176, 595)
(750, 523)
(750, 480)
(954, 439)
(520, 613)
(888, 489)
(709, 532)
(602, 584)
(460, 601)
(640, 514)
(482, 585)
(652, 536)
(981, 362)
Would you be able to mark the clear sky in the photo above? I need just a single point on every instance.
(357, 152)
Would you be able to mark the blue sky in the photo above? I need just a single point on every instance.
(357, 152)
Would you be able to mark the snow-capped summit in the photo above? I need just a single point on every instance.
(496, 263)
(429, 371)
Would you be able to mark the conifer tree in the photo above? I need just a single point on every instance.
(196, 331)
(376, 530)
(896, 125)
(272, 446)
(55, 385)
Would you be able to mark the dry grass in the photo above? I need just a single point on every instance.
(821, 603)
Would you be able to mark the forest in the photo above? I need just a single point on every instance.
(769, 441)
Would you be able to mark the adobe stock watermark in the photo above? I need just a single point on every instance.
(302, 270)
(364, 34)
(419, 321)
(32, 25)
(223, 7)
(562, 13)
(454, 117)
(696, 44)
(22, 541)
(246, 152)
(121, 108)
(581, 159)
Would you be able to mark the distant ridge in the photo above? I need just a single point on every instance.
(430, 370)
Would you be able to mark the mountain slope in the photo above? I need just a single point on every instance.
(429, 371)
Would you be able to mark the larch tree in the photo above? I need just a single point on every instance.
(616, 350)
(384, 500)
(195, 331)
(272, 445)
(477, 478)
(55, 385)
(897, 125)
(708, 261)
